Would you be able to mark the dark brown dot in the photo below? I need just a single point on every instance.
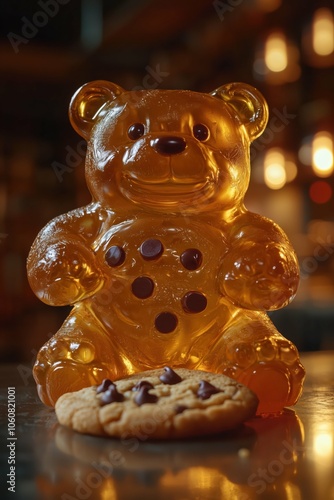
(115, 256)
(104, 385)
(111, 395)
(194, 302)
(151, 249)
(142, 287)
(165, 322)
(169, 376)
(191, 259)
(205, 390)
(180, 409)
(142, 383)
(143, 396)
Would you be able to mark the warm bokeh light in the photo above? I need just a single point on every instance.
(274, 169)
(322, 154)
(268, 5)
(108, 490)
(323, 441)
(323, 32)
(202, 482)
(320, 192)
(290, 170)
(276, 52)
(292, 491)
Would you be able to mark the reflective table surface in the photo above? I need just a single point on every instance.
(287, 457)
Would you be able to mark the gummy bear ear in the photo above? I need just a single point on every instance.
(87, 104)
(249, 103)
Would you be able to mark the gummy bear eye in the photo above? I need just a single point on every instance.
(136, 130)
(201, 132)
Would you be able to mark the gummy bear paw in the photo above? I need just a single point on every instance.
(271, 368)
(64, 365)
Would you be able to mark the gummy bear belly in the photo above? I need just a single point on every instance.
(161, 283)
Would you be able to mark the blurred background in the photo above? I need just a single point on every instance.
(49, 48)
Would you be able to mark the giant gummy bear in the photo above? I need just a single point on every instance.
(166, 265)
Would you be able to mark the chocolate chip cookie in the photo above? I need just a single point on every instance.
(158, 404)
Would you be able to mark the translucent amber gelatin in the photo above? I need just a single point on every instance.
(166, 266)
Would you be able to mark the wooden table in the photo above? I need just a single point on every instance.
(288, 457)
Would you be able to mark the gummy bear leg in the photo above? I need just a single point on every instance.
(77, 356)
(258, 356)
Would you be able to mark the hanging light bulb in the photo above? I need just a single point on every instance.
(276, 52)
(277, 59)
(318, 39)
(323, 32)
(274, 169)
(322, 154)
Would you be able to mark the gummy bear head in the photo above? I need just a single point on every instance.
(168, 150)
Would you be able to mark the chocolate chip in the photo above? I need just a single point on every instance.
(205, 390)
(194, 302)
(142, 287)
(143, 396)
(191, 259)
(142, 383)
(151, 249)
(166, 322)
(104, 385)
(111, 395)
(180, 409)
(115, 256)
(170, 377)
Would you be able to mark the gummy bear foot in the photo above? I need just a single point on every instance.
(66, 366)
(69, 377)
(270, 368)
(271, 384)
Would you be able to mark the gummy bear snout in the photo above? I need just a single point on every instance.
(169, 145)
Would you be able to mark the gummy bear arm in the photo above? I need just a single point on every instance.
(61, 264)
(261, 270)
(254, 227)
(62, 272)
(83, 223)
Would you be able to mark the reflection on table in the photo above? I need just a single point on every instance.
(290, 457)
